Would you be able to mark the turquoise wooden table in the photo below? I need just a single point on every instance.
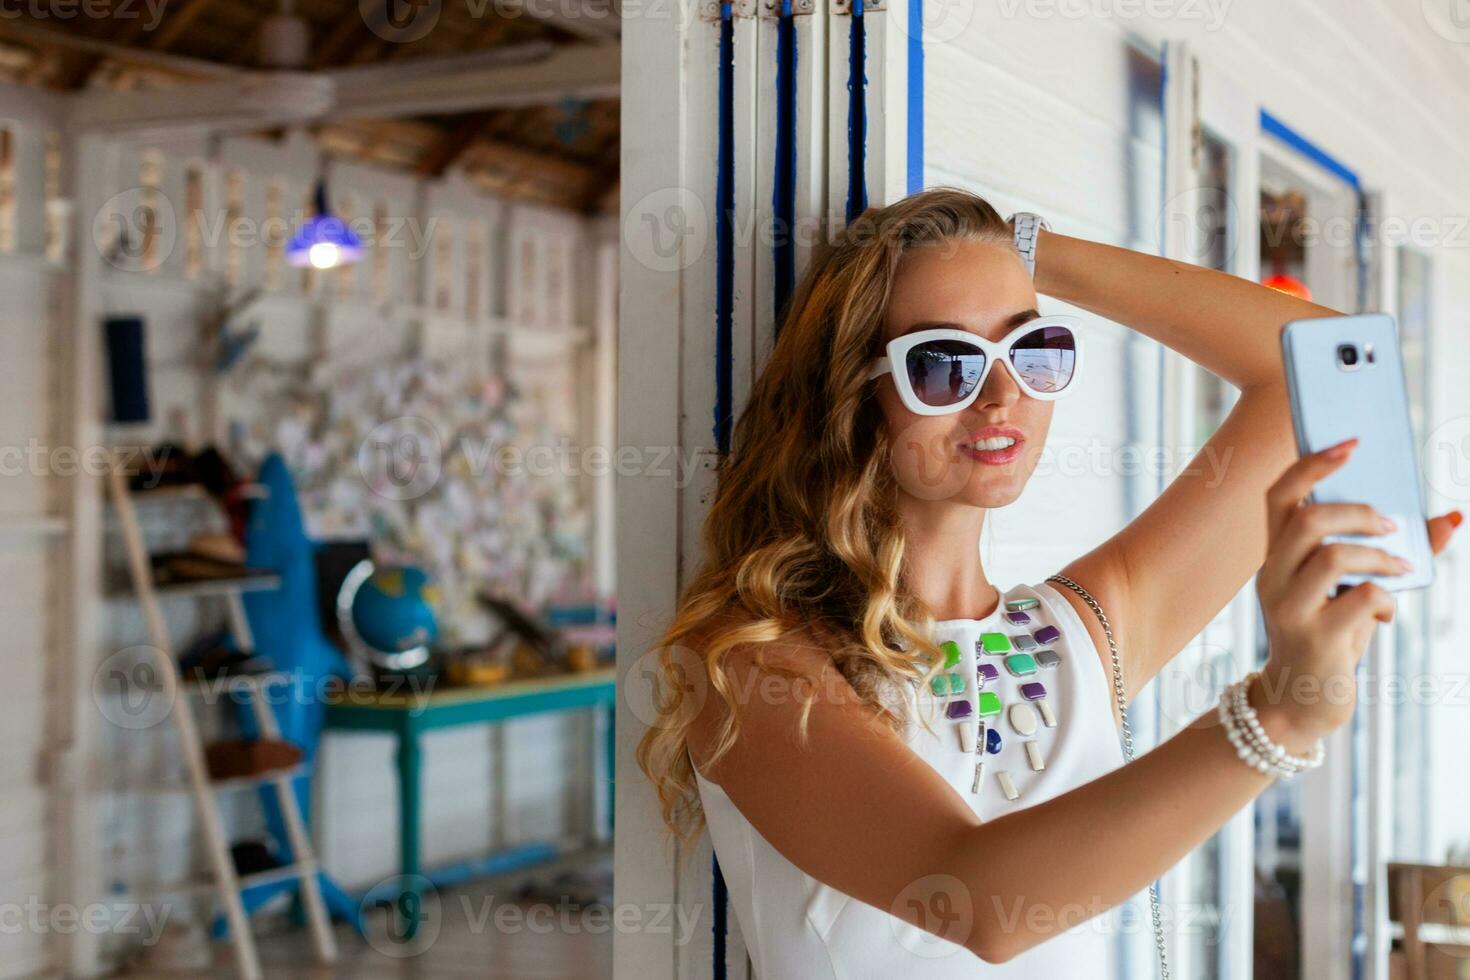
(407, 716)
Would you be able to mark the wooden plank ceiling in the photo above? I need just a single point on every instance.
(564, 153)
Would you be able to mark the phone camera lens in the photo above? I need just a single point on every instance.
(1347, 355)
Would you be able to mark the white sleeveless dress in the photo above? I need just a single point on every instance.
(797, 928)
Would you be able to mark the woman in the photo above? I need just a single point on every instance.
(903, 767)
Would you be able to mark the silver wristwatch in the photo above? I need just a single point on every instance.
(1027, 229)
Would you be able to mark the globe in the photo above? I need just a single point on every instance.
(394, 610)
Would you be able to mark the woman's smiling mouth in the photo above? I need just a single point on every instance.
(994, 445)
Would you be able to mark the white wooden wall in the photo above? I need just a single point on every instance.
(30, 569)
(35, 721)
(667, 346)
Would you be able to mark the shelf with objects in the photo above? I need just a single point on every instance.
(557, 661)
(264, 761)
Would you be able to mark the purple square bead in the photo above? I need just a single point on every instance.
(1018, 617)
(987, 672)
(1047, 634)
(1033, 691)
(959, 709)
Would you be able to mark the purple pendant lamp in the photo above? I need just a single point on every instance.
(324, 240)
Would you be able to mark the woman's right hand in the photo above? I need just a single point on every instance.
(1308, 687)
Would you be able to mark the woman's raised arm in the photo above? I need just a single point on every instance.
(1230, 326)
(857, 809)
(1164, 576)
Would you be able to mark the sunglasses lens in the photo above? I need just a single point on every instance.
(944, 372)
(1046, 359)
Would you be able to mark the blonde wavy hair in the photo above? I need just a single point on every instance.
(803, 535)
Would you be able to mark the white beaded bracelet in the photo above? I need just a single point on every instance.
(1255, 748)
(1251, 743)
(1243, 711)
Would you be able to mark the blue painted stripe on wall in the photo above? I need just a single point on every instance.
(725, 233)
(724, 328)
(857, 113)
(721, 923)
(915, 180)
(783, 196)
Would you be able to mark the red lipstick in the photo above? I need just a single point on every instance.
(989, 445)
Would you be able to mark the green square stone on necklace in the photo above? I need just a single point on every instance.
(1020, 664)
(995, 643)
(946, 684)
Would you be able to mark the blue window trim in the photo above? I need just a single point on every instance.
(1273, 126)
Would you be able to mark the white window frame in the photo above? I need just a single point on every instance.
(1198, 99)
(1205, 97)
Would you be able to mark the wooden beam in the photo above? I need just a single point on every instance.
(606, 199)
(174, 27)
(453, 144)
(597, 21)
(486, 41)
(355, 40)
(46, 62)
(31, 34)
(580, 71)
(443, 154)
(334, 48)
(506, 159)
(78, 69)
(249, 103)
(494, 32)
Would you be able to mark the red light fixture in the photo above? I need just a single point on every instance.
(1290, 285)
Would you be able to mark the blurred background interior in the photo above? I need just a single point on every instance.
(350, 293)
(308, 353)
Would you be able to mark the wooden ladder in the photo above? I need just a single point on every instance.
(226, 883)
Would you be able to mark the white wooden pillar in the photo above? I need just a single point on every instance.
(604, 413)
(1179, 377)
(679, 268)
(91, 159)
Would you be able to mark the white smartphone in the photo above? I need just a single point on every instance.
(1345, 378)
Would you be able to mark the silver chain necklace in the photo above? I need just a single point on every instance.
(1122, 698)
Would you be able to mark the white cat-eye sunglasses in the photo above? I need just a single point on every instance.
(943, 369)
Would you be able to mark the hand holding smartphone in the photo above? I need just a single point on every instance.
(1345, 379)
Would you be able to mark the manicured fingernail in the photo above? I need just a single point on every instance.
(1404, 566)
(1456, 518)
(1386, 523)
(1341, 450)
